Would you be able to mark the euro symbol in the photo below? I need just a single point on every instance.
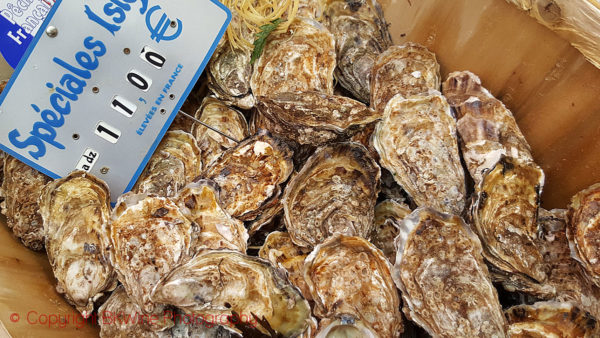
(158, 31)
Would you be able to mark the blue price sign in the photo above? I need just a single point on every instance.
(103, 80)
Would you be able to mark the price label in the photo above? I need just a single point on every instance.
(102, 81)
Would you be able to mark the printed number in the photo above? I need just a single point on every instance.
(139, 80)
(123, 106)
(153, 57)
(107, 132)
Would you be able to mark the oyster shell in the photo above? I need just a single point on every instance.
(349, 276)
(175, 163)
(335, 191)
(583, 230)
(505, 218)
(199, 202)
(149, 237)
(219, 282)
(361, 34)
(406, 70)
(265, 159)
(75, 210)
(550, 319)
(301, 59)
(21, 189)
(387, 216)
(486, 127)
(314, 118)
(282, 252)
(225, 119)
(444, 281)
(229, 73)
(416, 142)
(2, 156)
(344, 327)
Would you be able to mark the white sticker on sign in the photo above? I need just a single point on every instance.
(107, 71)
(88, 159)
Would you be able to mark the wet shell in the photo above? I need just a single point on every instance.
(550, 319)
(219, 282)
(349, 276)
(175, 163)
(302, 59)
(335, 191)
(229, 72)
(486, 127)
(361, 34)
(149, 237)
(505, 217)
(75, 210)
(444, 281)
(120, 317)
(223, 118)
(21, 189)
(406, 70)
(282, 252)
(345, 326)
(416, 141)
(314, 118)
(387, 216)
(583, 230)
(199, 202)
(265, 159)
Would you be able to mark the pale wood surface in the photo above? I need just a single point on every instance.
(552, 90)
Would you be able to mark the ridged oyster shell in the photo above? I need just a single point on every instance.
(199, 202)
(405, 70)
(350, 276)
(361, 34)
(583, 230)
(301, 59)
(282, 252)
(175, 163)
(444, 281)
(335, 191)
(550, 319)
(76, 210)
(267, 160)
(314, 118)
(416, 142)
(219, 282)
(505, 214)
(486, 127)
(229, 73)
(21, 189)
(387, 216)
(149, 237)
(223, 118)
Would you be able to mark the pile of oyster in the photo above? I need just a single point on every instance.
(392, 203)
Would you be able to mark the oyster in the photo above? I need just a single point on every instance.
(505, 213)
(361, 34)
(444, 281)
(314, 118)
(21, 189)
(486, 127)
(225, 119)
(416, 141)
(344, 327)
(199, 202)
(335, 191)
(75, 210)
(2, 156)
(387, 216)
(229, 72)
(583, 230)
(406, 70)
(175, 163)
(149, 237)
(301, 59)
(349, 276)
(218, 283)
(550, 319)
(282, 252)
(266, 160)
